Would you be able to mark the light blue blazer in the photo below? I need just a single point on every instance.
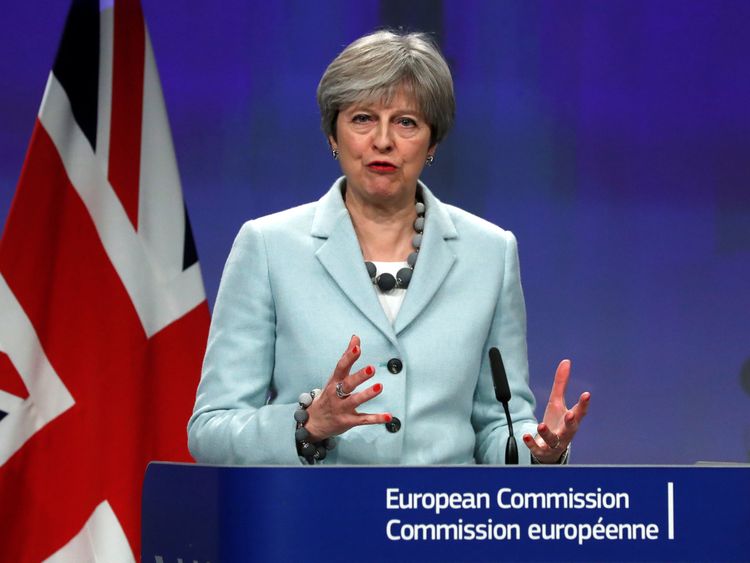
(293, 292)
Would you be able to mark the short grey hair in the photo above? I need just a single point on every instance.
(377, 66)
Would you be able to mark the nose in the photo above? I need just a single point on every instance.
(382, 140)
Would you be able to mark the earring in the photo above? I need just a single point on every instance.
(335, 153)
(430, 159)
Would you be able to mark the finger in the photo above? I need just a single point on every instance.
(344, 365)
(562, 374)
(569, 429)
(358, 378)
(572, 418)
(363, 419)
(582, 406)
(364, 396)
(542, 453)
(534, 446)
(552, 439)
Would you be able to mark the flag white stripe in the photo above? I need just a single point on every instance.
(104, 97)
(158, 298)
(9, 402)
(161, 216)
(101, 540)
(48, 396)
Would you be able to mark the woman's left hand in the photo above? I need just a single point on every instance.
(556, 431)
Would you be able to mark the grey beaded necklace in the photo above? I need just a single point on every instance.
(386, 281)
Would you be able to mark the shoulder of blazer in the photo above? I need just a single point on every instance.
(293, 218)
(469, 224)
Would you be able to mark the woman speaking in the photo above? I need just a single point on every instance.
(356, 329)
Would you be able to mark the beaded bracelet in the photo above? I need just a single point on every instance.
(311, 451)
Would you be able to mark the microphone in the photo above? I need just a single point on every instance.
(502, 394)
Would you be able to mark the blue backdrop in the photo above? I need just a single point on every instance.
(612, 137)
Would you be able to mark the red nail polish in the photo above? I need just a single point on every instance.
(369, 370)
(377, 387)
(388, 418)
(355, 350)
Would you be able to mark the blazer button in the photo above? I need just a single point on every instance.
(393, 426)
(394, 365)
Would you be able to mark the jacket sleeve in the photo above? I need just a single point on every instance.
(231, 423)
(508, 333)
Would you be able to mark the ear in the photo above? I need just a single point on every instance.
(332, 142)
(432, 149)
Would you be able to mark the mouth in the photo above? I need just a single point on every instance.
(382, 166)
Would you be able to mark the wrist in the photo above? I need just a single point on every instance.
(562, 460)
(309, 444)
(314, 433)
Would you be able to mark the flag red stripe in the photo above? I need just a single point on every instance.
(124, 385)
(127, 104)
(54, 476)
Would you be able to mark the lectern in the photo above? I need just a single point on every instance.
(198, 513)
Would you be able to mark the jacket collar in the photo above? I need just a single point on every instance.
(341, 256)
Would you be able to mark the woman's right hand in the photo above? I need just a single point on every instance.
(331, 415)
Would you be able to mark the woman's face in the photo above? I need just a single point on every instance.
(382, 149)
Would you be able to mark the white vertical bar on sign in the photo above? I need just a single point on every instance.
(670, 510)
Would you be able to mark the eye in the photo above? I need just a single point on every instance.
(361, 118)
(406, 122)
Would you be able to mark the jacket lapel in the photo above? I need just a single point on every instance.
(435, 260)
(342, 258)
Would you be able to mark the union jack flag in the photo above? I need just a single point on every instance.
(103, 316)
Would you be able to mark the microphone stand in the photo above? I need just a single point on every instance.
(502, 394)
